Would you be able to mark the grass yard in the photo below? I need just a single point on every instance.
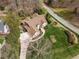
(48, 50)
(61, 48)
(1, 39)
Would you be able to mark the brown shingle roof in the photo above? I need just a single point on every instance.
(31, 24)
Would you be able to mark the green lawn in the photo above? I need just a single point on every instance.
(1, 39)
(59, 50)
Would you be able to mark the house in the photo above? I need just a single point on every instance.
(4, 29)
(32, 25)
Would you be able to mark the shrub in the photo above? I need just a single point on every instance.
(48, 18)
(2, 8)
(40, 11)
(61, 1)
(1, 39)
(21, 13)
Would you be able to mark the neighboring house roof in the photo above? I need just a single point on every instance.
(4, 29)
(31, 25)
(1, 26)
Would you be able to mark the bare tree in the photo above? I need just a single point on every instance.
(26, 5)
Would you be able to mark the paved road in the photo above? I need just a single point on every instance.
(61, 20)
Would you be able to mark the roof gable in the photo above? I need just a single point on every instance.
(31, 24)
